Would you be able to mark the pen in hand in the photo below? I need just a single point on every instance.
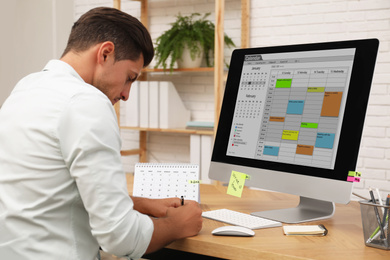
(182, 200)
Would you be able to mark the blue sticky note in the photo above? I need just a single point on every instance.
(271, 150)
(295, 107)
(325, 140)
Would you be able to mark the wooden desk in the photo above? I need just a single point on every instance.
(344, 240)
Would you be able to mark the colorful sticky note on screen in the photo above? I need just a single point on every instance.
(354, 176)
(353, 179)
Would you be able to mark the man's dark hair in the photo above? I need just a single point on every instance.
(102, 24)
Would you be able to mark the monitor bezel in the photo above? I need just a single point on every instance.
(353, 120)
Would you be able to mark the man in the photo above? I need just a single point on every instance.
(62, 187)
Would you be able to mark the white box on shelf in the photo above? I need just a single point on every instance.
(173, 113)
(144, 103)
(195, 149)
(206, 152)
(132, 112)
(154, 115)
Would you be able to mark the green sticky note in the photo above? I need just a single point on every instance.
(354, 174)
(309, 125)
(283, 83)
(237, 183)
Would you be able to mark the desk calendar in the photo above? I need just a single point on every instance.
(163, 180)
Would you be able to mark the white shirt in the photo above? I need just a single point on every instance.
(62, 187)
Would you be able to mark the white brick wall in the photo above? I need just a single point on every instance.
(279, 22)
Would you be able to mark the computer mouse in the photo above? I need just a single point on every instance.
(233, 231)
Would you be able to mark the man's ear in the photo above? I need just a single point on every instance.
(105, 52)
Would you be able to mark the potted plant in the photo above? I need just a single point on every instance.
(187, 32)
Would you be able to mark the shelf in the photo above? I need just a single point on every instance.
(201, 69)
(171, 130)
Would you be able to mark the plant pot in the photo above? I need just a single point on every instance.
(187, 62)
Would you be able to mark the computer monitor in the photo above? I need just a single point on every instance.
(292, 120)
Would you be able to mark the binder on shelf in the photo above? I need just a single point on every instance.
(206, 151)
(201, 147)
(154, 104)
(173, 113)
(132, 113)
(195, 149)
(144, 103)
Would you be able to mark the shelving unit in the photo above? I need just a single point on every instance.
(202, 69)
(218, 72)
(171, 130)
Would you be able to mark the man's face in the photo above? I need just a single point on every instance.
(114, 79)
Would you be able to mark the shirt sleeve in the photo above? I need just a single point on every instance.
(90, 143)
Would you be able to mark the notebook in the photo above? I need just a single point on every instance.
(165, 180)
(305, 230)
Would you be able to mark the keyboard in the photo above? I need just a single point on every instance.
(240, 219)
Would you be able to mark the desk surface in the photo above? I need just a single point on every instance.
(344, 240)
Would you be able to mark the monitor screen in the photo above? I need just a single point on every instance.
(292, 119)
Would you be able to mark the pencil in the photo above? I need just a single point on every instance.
(378, 218)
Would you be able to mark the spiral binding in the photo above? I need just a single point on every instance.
(167, 165)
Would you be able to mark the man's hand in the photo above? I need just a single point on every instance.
(171, 220)
(155, 207)
(180, 222)
(187, 219)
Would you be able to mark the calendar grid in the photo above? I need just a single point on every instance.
(159, 180)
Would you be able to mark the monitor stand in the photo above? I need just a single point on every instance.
(307, 210)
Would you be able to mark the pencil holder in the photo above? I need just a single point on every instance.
(375, 220)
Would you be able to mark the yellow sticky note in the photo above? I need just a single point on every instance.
(237, 183)
(290, 135)
(194, 181)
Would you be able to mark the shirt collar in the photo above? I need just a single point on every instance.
(59, 65)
